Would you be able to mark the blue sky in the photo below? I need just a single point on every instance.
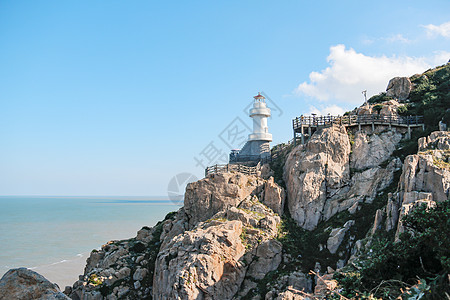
(117, 97)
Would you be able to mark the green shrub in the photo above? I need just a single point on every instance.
(423, 252)
(377, 108)
(430, 96)
(381, 97)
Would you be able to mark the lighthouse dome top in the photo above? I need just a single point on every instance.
(259, 97)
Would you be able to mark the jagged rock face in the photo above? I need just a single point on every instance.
(388, 108)
(297, 283)
(212, 260)
(399, 88)
(337, 236)
(370, 150)
(429, 170)
(425, 179)
(206, 197)
(439, 140)
(318, 178)
(22, 283)
(364, 110)
(274, 196)
(122, 269)
(201, 263)
(316, 172)
(213, 251)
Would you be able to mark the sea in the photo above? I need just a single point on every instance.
(55, 235)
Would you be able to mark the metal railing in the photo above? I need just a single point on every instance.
(350, 120)
(232, 168)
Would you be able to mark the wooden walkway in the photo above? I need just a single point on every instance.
(233, 168)
(311, 123)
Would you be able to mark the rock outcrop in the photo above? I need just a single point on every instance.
(371, 149)
(425, 179)
(123, 269)
(315, 173)
(206, 197)
(201, 263)
(23, 283)
(221, 256)
(213, 248)
(337, 236)
(399, 88)
(329, 175)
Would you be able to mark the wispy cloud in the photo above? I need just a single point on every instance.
(397, 38)
(438, 30)
(394, 38)
(350, 72)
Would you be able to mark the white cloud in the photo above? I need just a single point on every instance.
(397, 38)
(435, 30)
(334, 110)
(349, 73)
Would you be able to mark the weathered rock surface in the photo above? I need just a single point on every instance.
(370, 150)
(206, 249)
(122, 269)
(425, 180)
(23, 283)
(385, 109)
(399, 88)
(316, 172)
(290, 286)
(213, 260)
(274, 196)
(217, 192)
(426, 172)
(437, 140)
(390, 108)
(318, 178)
(337, 236)
(201, 263)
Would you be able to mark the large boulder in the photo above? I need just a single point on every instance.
(274, 196)
(201, 263)
(337, 236)
(315, 172)
(426, 173)
(25, 284)
(399, 88)
(206, 197)
(370, 150)
(220, 256)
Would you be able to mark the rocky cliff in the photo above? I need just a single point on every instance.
(216, 247)
(347, 191)
(329, 175)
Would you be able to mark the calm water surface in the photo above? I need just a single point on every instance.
(43, 231)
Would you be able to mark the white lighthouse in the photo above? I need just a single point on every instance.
(260, 112)
(257, 147)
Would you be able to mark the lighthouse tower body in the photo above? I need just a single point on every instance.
(260, 112)
(257, 146)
